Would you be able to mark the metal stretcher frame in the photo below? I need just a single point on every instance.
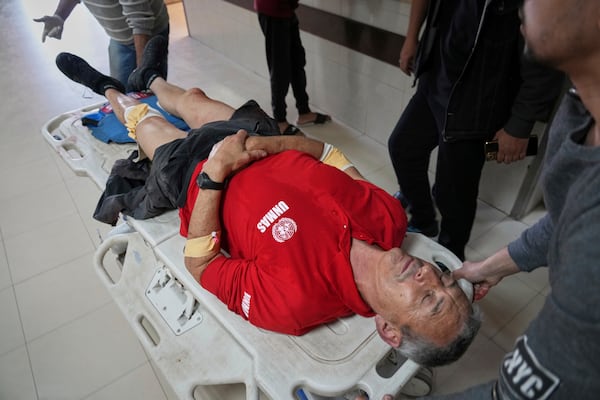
(191, 335)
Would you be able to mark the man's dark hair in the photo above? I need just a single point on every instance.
(424, 352)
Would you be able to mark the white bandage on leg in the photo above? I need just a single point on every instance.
(333, 156)
(136, 114)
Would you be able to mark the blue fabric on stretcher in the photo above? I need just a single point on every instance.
(109, 129)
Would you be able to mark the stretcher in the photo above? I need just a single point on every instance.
(201, 347)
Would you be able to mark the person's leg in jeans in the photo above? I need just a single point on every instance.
(277, 48)
(410, 145)
(122, 60)
(458, 172)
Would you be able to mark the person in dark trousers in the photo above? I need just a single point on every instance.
(474, 85)
(557, 356)
(286, 60)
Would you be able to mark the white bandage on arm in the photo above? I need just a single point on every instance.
(333, 156)
(136, 114)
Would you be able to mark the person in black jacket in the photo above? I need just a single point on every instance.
(474, 85)
(556, 357)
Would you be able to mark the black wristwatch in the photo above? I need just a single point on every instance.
(204, 182)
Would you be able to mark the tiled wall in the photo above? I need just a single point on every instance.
(359, 91)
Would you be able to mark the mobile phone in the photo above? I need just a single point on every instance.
(491, 148)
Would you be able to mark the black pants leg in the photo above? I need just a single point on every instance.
(298, 56)
(286, 60)
(410, 144)
(458, 173)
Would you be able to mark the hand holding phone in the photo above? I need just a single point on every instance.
(491, 148)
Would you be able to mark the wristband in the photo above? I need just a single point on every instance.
(203, 246)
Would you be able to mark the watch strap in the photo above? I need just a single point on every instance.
(204, 182)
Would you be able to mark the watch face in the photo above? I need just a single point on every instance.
(204, 182)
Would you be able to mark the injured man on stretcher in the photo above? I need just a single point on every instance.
(308, 239)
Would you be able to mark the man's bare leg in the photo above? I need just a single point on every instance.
(192, 105)
(151, 132)
(151, 129)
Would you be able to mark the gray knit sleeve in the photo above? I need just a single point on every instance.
(531, 249)
(143, 15)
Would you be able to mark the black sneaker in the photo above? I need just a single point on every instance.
(78, 70)
(154, 64)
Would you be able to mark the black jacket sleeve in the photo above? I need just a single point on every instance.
(536, 98)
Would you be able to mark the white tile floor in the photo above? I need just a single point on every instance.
(61, 336)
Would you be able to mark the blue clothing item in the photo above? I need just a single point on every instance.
(108, 128)
(122, 60)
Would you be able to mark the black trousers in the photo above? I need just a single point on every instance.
(458, 171)
(286, 60)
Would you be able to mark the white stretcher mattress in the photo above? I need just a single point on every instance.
(190, 334)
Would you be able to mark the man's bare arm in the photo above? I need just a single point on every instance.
(227, 157)
(277, 144)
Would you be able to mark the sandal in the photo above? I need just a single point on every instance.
(319, 120)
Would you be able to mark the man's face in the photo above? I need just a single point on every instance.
(420, 296)
(559, 32)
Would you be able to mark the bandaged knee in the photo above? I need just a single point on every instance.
(136, 114)
(333, 156)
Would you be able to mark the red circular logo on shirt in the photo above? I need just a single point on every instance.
(284, 230)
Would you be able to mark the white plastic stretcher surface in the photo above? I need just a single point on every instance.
(191, 335)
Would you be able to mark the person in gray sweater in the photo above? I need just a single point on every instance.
(558, 355)
(128, 23)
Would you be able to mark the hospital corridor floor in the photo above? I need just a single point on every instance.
(61, 335)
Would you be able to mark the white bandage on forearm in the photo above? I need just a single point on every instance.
(136, 114)
(333, 156)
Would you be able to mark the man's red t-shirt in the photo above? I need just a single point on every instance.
(287, 223)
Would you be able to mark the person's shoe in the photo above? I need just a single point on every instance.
(429, 230)
(154, 64)
(403, 200)
(78, 70)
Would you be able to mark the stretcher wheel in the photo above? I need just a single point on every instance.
(420, 385)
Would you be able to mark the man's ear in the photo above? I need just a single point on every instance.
(388, 332)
